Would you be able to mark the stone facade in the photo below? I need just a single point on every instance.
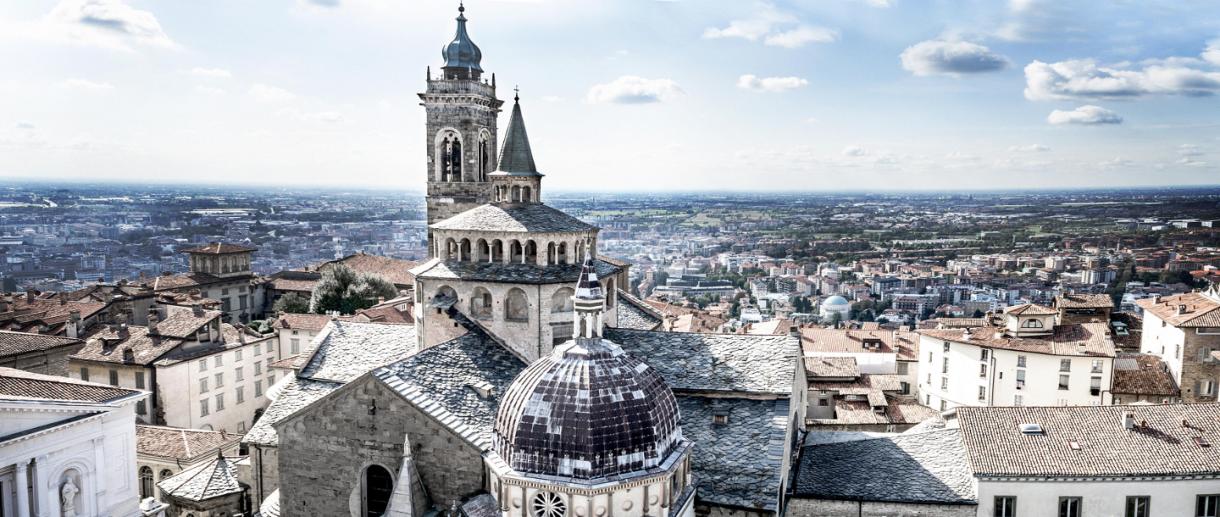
(325, 449)
(463, 111)
(834, 508)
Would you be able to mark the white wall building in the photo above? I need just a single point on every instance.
(1028, 361)
(68, 447)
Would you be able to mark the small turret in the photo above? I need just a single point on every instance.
(588, 304)
(516, 179)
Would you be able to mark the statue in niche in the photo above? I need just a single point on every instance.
(67, 498)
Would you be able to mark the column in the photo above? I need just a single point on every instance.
(23, 488)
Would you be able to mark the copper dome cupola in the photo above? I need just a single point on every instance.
(462, 57)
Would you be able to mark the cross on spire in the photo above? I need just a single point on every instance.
(516, 93)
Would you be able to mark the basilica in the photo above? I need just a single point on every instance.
(531, 384)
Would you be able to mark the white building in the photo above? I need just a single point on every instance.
(1184, 331)
(203, 374)
(1021, 358)
(67, 447)
(835, 305)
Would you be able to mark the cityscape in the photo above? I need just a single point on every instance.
(507, 334)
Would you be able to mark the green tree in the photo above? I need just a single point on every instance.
(291, 303)
(347, 291)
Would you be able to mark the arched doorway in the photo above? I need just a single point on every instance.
(378, 486)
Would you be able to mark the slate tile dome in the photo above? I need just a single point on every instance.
(587, 411)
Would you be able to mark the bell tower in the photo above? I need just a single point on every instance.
(461, 109)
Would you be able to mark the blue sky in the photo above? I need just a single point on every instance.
(623, 94)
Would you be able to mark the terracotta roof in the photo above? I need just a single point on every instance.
(219, 248)
(1085, 339)
(1143, 374)
(815, 340)
(1103, 446)
(311, 322)
(18, 343)
(23, 384)
(182, 281)
(181, 444)
(107, 346)
(300, 285)
(1084, 301)
(1030, 309)
(184, 324)
(395, 271)
(1201, 311)
(831, 367)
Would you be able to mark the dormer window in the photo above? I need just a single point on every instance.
(1031, 324)
(720, 419)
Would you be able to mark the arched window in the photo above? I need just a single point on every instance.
(480, 303)
(515, 252)
(551, 255)
(610, 292)
(1031, 324)
(165, 474)
(516, 193)
(526, 197)
(484, 157)
(561, 301)
(377, 487)
(516, 306)
(146, 482)
(497, 251)
(464, 251)
(561, 253)
(445, 293)
(531, 252)
(481, 251)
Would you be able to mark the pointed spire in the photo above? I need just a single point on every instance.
(516, 158)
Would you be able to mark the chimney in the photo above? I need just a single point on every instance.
(1181, 309)
(63, 298)
(123, 331)
(72, 327)
(153, 319)
(1128, 420)
(129, 356)
(794, 331)
(197, 310)
(29, 296)
(3, 304)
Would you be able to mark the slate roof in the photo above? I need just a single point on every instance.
(106, 346)
(270, 506)
(311, 322)
(16, 383)
(1084, 301)
(516, 218)
(715, 362)
(1201, 311)
(18, 343)
(737, 463)
(927, 468)
(184, 324)
(516, 158)
(295, 394)
(183, 281)
(216, 478)
(1143, 374)
(181, 444)
(512, 273)
(1085, 339)
(444, 381)
(998, 448)
(635, 314)
(347, 350)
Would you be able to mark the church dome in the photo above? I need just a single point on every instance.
(587, 411)
(835, 301)
(461, 53)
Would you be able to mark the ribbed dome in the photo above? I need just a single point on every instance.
(835, 300)
(587, 411)
(461, 53)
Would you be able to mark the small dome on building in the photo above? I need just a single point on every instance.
(835, 301)
(461, 53)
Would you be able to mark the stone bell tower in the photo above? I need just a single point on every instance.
(461, 109)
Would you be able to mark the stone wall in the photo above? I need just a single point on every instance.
(1196, 374)
(325, 450)
(46, 362)
(833, 508)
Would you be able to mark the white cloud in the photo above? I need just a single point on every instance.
(630, 89)
(1189, 150)
(854, 151)
(1031, 148)
(24, 126)
(802, 36)
(329, 117)
(1115, 163)
(218, 73)
(880, 3)
(934, 57)
(1190, 162)
(106, 23)
(1087, 115)
(87, 85)
(1085, 79)
(774, 27)
(271, 94)
(209, 90)
(1212, 53)
(770, 84)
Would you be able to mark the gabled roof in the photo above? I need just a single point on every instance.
(738, 462)
(181, 444)
(1143, 374)
(395, 271)
(295, 394)
(517, 218)
(1165, 447)
(1084, 301)
(923, 468)
(21, 384)
(633, 313)
(347, 350)
(219, 248)
(107, 346)
(216, 478)
(1085, 339)
(1201, 310)
(715, 362)
(1030, 309)
(17, 343)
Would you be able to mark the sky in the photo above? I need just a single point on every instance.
(622, 95)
